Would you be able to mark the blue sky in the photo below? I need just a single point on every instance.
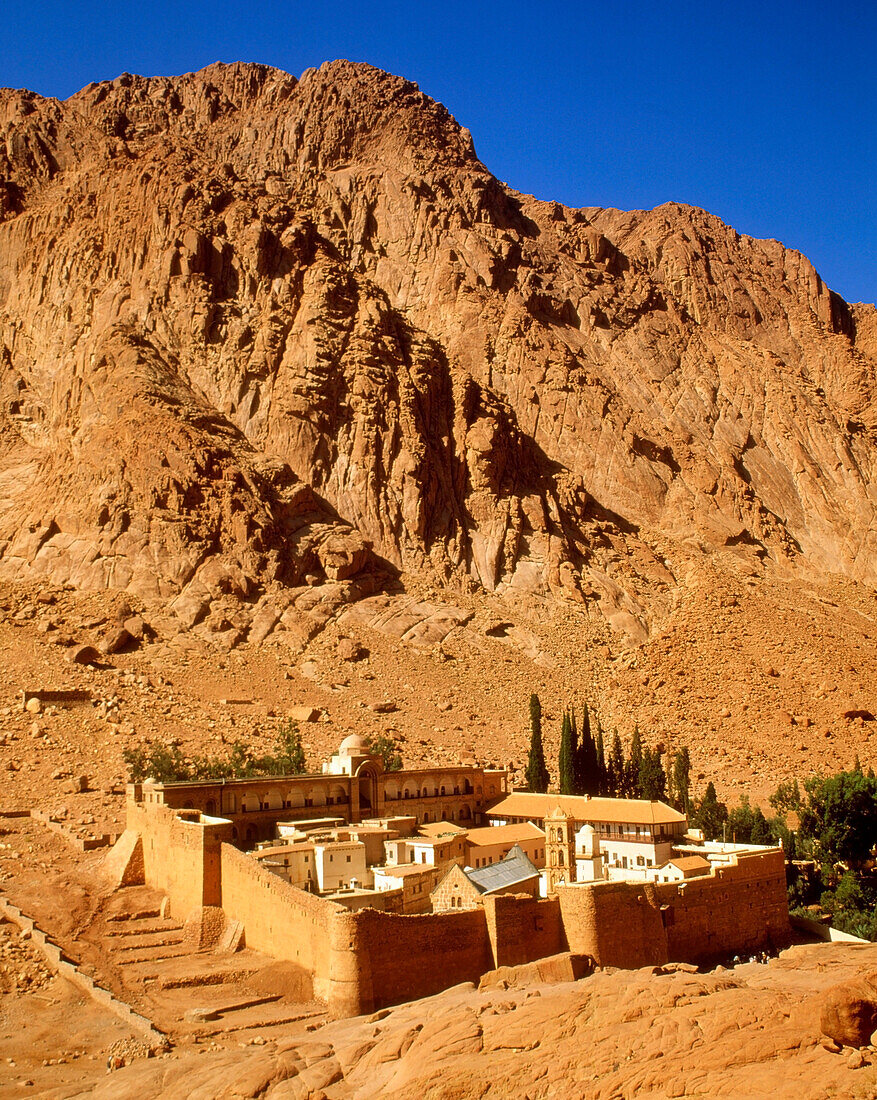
(762, 113)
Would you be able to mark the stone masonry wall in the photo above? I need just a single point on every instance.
(616, 923)
(365, 959)
(181, 858)
(279, 919)
(400, 958)
(741, 910)
(738, 909)
(523, 928)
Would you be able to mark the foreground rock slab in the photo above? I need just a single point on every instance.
(753, 1031)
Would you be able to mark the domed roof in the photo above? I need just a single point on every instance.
(353, 745)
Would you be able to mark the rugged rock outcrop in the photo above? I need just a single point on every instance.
(746, 1032)
(255, 330)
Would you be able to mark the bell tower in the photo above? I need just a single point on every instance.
(560, 850)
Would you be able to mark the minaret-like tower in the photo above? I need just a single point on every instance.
(560, 850)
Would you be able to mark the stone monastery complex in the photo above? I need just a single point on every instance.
(388, 886)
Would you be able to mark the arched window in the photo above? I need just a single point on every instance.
(561, 858)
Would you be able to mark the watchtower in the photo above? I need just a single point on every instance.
(560, 849)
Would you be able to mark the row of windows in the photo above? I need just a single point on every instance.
(641, 861)
(394, 796)
(539, 853)
(331, 800)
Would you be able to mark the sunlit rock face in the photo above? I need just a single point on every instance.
(257, 330)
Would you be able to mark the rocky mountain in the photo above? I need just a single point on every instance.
(259, 332)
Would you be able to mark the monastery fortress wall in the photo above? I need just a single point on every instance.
(280, 920)
(364, 959)
(737, 909)
(401, 958)
(180, 852)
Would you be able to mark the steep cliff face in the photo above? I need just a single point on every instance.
(255, 329)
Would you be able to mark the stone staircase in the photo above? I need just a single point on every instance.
(145, 937)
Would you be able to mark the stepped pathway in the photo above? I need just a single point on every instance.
(146, 938)
(195, 993)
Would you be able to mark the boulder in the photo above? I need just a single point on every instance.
(116, 641)
(84, 655)
(849, 1011)
(304, 714)
(136, 627)
(350, 650)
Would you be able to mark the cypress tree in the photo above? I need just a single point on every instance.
(682, 780)
(566, 757)
(652, 778)
(647, 782)
(633, 771)
(577, 762)
(761, 833)
(711, 814)
(537, 773)
(587, 769)
(601, 761)
(615, 770)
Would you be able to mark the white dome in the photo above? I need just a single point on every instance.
(353, 745)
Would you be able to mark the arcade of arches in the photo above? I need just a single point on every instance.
(352, 787)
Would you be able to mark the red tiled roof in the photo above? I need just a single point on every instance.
(636, 811)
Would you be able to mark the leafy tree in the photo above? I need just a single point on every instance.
(167, 764)
(853, 905)
(711, 815)
(164, 763)
(566, 756)
(537, 773)
(288, 757)
(840, 816)
(749, 826)
(387, 749)
(739, 822)
(787, 797)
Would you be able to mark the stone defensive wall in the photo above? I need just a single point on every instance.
(279, 919)
(364, 959)
(391, 958)
(522, 929)
(737, 909)
(180, 853)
